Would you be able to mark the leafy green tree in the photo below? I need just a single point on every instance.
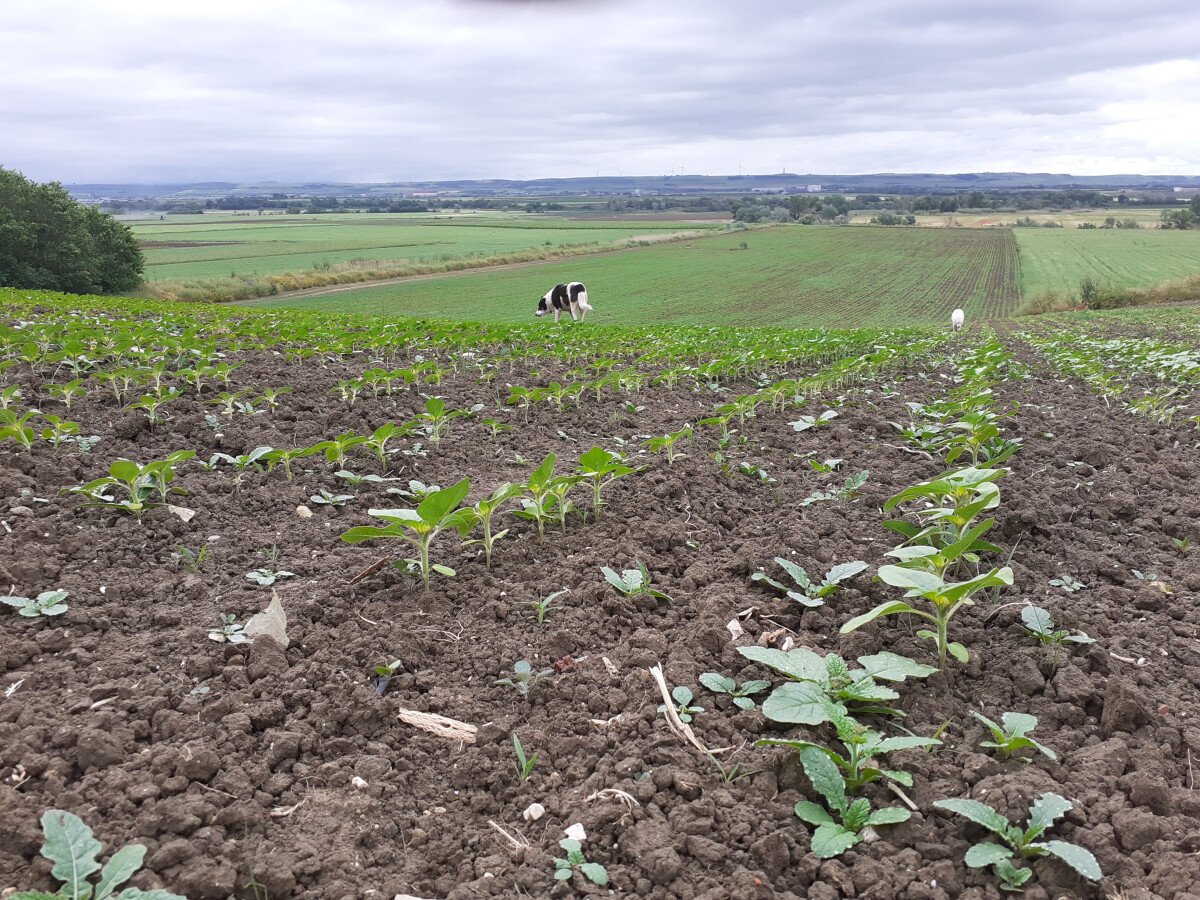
(49, 241)
(1196, 206)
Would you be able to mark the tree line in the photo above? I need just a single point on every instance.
(48, 241)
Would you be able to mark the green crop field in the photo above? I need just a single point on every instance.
(218, 246)
(1057, 258)
(785, 276)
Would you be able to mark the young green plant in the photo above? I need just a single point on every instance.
(438, 512)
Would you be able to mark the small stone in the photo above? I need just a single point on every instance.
(576, 833)
(533, 812)
(304, 512)
(20, 511)
(359, 783)
(182, 512)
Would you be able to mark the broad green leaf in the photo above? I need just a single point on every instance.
(958, 651)
(543, 472)
(825, 776)
(995, 578)
(35, 895)
(718, 684)
(1073, 855)
(367, 533)
(120, 867)
(900, 777)
(890, 608)
(125, 470)
(1018, 724)
(797, 573)
(72, 848)
(595, 873)
(866, 690)
(798, 664)
(614, 579)
(890, 815)
(905, 742)
(905, 554)
(395, 515)
(443, 570)
(913, 580)
(813, 813)
(986, 853)
(767, 579)
(856, 814)
(829, 841)
(894, 667)
(797, 703)
(743, 703)
(1012, 876)
(976, 812)
(439, 504)
(841, 572)
(1046, 810)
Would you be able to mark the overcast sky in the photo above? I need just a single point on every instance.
(390, 90)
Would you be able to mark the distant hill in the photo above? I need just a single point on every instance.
(883, 183)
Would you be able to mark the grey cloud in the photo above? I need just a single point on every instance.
(355, 89)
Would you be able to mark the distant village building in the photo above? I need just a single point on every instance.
(814, 188)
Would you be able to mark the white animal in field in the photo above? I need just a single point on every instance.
(956, 319)
(571, 297)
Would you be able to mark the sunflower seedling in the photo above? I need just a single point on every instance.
(665, 443)
(600, 468)
(17, 428)
(564, 868)
(805, 591)
(485, 509)
(538, 505)
(71, 846)
(740, 694)
(634, 583)
(47, 603)
(438, 512)
(384, 675)
(228, 631)
(683, 704)
(542, 608)
(524, 677)
(1012, 735)
(523, 764)
(833, 837)
(1021, 843)
(945, 598)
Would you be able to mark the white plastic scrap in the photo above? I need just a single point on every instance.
(576, 833)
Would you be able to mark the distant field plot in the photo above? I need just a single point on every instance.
(789, 275)
(1145, 216)
(214, 247)
(1056, 259)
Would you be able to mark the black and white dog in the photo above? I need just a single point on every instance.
(570, 298)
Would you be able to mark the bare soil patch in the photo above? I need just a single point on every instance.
(236, 765)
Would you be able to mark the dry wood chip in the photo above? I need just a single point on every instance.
(451, 729)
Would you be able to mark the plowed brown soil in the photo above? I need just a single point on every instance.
(237, 767)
